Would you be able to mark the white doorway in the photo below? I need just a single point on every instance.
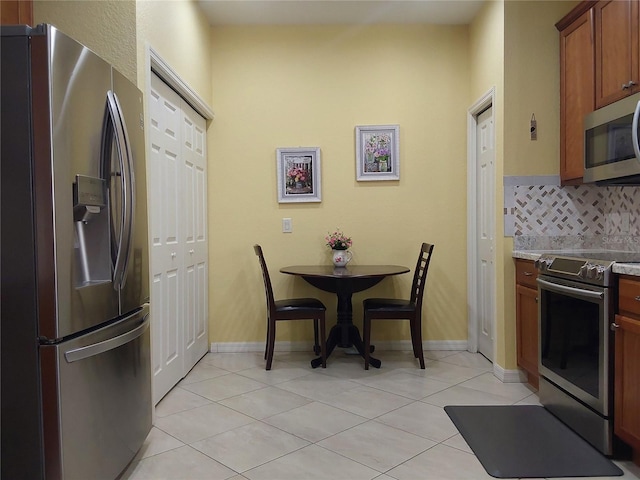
(177, 186)
(481, 227)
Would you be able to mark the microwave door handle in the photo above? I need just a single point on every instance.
(634, 132)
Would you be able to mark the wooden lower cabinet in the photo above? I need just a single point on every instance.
(627, 364)
(627, 382)
(527, 319)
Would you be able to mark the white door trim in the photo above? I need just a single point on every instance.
(487, 100)
(161, 68)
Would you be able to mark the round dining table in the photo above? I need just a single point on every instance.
(344, 282)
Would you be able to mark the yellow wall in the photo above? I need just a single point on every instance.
(487, 71)
(106, 27)
(515, 47)
(179, 33)
(119, 31)
(486, 44)
(532, 86)
(310, 86)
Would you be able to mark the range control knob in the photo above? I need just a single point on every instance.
(543, 263)
(585, 271)
(589, 271)
(582, 273)
(592, 271)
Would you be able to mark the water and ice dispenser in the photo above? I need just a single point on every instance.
(92, 235)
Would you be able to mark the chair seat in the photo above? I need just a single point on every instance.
(291, 309)
(388, 304)
(398, 309)
(293, 304)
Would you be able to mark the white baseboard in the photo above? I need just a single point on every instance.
(402, 345)
(505, 376)
(460, 345)
(509, 376)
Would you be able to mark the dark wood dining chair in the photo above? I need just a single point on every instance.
(291, 309)
(398, 309)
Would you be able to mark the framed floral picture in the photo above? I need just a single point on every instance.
(298, 174)
(378, 152)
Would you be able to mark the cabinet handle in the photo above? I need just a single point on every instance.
(614, 326)
(637, 298)
(527, 274)
(626, 86)
(192, 251)
(536, 299)
(173, 254)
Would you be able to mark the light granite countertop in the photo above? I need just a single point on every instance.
(619, 268)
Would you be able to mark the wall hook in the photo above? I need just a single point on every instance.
(534, 127)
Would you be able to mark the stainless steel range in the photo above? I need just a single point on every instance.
(576, 294)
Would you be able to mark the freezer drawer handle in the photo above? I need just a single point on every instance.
(101, 347)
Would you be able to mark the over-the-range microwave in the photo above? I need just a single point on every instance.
(612, 153)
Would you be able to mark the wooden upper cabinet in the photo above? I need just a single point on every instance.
(577, 64)
(617, 49)
(16, 12)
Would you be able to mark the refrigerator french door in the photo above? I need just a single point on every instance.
(75, 366)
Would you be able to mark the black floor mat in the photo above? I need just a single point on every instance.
(518, 441)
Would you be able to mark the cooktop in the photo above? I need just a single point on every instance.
(602, 255)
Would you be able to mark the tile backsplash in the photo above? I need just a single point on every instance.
(541, 214)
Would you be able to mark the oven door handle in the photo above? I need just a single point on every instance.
(570, 290)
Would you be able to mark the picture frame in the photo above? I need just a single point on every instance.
(377, 152)
(299, 174)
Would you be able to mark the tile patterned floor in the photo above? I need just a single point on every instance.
(231, 419)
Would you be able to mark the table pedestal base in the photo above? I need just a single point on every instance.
(336, 339)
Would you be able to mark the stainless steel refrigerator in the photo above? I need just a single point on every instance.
(75, 354)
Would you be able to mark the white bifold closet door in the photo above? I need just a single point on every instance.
(177, 171)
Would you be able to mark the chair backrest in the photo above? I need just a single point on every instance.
(267, 280)
(420, 275)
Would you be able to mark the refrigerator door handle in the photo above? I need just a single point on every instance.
(106, 345)
(130, 191)
(124, 153)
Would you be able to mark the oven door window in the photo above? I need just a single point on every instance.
(570, 340)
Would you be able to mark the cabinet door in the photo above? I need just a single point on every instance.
(627, 387)
(527, 331)
(576, 94)
(616, 25)
(16, 12)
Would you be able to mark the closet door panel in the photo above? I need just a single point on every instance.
(165, 206)
(195, 233)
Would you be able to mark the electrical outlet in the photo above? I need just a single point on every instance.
(287, 226)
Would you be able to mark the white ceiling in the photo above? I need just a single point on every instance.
(319, 12)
